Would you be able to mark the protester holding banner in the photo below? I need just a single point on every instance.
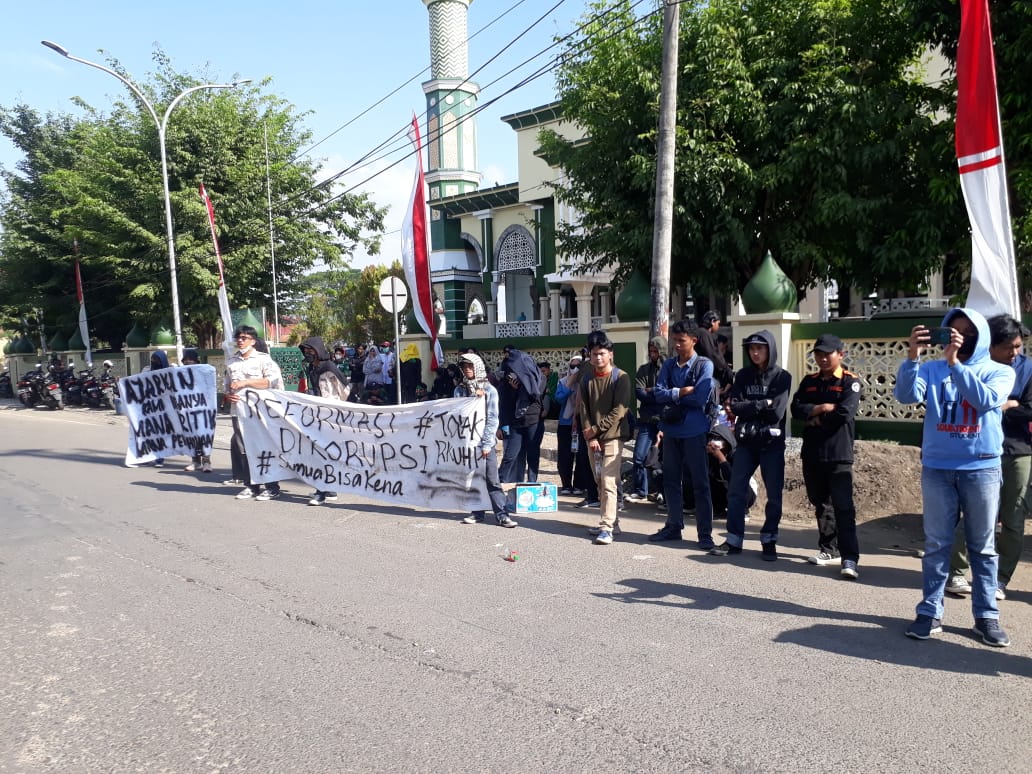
(475, 384)
(248, 368)
(324, 379)
(200, 461)
(158, 361)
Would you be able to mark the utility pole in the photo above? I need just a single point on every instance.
(663, 226)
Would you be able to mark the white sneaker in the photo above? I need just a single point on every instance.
(331, 497)
(598, 530)
(823, 557)
(246, 494)
(958, 586)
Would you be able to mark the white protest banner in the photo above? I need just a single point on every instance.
(418, 453)
(171, 411)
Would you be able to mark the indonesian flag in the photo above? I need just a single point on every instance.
(415, 252)
(983, 177)
(84, 330)
(227, 318)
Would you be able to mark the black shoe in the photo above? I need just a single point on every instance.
(770, 552)
(991, 633)
(586, 503)
(725, 549)
(665, 534)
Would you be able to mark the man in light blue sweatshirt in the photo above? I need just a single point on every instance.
(961, 446)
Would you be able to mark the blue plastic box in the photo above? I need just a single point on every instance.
(537, 498)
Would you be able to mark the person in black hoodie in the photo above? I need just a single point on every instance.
(519, 410)
(759, 402)
(648, 417)
(325, 380)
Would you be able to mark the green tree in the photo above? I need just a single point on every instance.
(804, 128)
(96, 180)
(938, 21)
(345, 306)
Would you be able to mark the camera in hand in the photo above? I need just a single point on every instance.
(940, 336)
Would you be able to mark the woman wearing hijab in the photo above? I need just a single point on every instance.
(373, 369)
(158, 361)
(325, 380)
(475, 384)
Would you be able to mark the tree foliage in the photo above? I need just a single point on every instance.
(939, 22)
(345, 306)
(803, 128)
(95, 179)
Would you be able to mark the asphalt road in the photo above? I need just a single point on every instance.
(151, 622)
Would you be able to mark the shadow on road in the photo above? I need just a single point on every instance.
(881, 640)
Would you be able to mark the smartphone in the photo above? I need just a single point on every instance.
(940, 336)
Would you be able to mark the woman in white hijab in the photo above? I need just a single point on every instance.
(373, 367)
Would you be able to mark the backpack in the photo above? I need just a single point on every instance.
(712, 406)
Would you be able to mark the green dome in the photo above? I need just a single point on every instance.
(137, 337)
(248, 318)
(25, 346)
(8, 346)
(161, 334)
(58, 342)
(769, 290)
(76, 342)
(635, 299)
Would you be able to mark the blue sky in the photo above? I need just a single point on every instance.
(334, 59)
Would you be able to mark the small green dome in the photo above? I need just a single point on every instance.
(25, 346)
(635, 299)
(75, 342)
(161, 334)
(58, 342)
(137, 337)
(769, 290)
(248, 318)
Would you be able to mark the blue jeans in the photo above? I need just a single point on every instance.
(948, 494)
(643, 443)
(770, 459)
(687, 457)
(494, 491)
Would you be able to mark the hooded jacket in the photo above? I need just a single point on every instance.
(753, 388)
(645, 381)
(158, 360)
(478, 385)
(520, 406)
(1017, 440)
(963, 421)
(324, 378)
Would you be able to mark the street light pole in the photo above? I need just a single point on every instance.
(161, 124)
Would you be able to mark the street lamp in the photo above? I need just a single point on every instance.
(162, 124)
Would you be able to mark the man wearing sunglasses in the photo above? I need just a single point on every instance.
(248, 367)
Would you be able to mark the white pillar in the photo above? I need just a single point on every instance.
(555, 313)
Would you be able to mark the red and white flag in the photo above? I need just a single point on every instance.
(983, 176)
(84, 329)
(227, 318)
(415, 252)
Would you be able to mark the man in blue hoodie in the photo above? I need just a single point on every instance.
(961, 446)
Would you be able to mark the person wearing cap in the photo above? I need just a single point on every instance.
(759, 401)
(475, 384)
(826, 401)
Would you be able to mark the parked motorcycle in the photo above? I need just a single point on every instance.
(5, 383)
(27, 393)
(107, 386)
(47, 386)
(70, 384)
(90, 387)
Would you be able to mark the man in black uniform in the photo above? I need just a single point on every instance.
(827, 401)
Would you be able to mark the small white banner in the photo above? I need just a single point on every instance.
(418, 453)
(171, 412)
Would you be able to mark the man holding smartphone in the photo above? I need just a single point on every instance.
(961, 444)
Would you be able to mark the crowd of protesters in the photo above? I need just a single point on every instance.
(702, 430)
